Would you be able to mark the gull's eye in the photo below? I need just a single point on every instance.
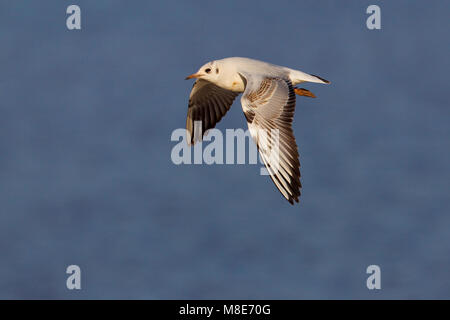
(208, 70)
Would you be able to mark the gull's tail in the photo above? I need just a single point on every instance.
(299, 77)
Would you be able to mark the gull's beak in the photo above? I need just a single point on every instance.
(194, 75)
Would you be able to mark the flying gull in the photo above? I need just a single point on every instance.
(268, 102)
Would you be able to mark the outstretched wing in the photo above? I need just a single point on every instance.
(208, 103)
(269, 104)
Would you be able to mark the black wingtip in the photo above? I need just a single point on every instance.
(292, 199)
(324, 80)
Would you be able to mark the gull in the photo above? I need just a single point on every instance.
(268, 102)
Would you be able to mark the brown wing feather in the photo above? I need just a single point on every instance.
(208, 103)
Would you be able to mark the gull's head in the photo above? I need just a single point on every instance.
(209, 71)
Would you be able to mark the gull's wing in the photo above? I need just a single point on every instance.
(208, 103)
(269, 104)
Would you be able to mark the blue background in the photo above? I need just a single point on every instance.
(86, 176)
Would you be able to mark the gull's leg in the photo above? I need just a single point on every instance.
(304, 92)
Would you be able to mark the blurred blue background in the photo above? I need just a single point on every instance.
(86, 176)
